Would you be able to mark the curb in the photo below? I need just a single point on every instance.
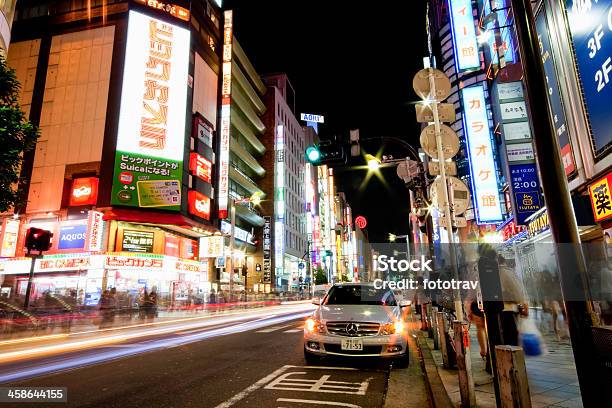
(437, 393)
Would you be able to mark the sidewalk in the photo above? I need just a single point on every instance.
(552, 376)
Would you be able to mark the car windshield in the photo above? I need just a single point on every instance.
(359, 295)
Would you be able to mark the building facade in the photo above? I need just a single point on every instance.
(285, 185)
(135, 168)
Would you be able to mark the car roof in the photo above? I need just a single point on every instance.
(354, 284)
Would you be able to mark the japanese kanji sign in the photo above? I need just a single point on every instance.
(485, 184)
(601, 198)
(467, 55)
(151, 134)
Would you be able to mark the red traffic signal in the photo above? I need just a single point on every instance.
(38, 239)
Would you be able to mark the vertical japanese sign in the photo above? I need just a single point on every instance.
(226, 101)
(485, 185)
(525, 187)
(279, 200)
(590, 24)
(511, 112)
(554, 96)
(601, 198)
(151, 133)
(464, 35)
(267, 250)
(505, 47)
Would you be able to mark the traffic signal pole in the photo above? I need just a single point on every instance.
(26, 302)
(571, 262)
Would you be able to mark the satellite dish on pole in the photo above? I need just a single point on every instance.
(422, 87)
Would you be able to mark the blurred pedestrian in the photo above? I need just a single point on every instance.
(107, 311)
(151, 304)
(476, 316)
(515, 305)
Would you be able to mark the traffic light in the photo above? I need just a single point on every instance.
(324, 153)
(38, 239)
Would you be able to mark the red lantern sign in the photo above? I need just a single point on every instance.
(84, 191)
(361, 222)
(199, 205)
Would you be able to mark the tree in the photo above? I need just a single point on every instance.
(17, 136)
(320, 277)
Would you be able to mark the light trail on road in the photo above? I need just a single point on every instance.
(133, 348)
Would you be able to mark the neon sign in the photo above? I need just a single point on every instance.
(226, 98)
(464, 35)
(485, 185)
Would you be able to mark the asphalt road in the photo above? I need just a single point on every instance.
(257, 364)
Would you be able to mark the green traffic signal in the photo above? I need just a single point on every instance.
(313, 154)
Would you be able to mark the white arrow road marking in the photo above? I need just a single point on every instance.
(288, 382)
(242, 394)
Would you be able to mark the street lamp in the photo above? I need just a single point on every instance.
(393, 238)
(373, 163)
(255, 199)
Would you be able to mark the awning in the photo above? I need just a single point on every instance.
(175, 222)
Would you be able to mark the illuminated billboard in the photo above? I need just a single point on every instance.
(464, 35)
(226, 115)
(485, 185)
(279, 200)
(151, 133)
(200, 167)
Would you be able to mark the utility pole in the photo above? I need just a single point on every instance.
(570, 259)
(447, 199)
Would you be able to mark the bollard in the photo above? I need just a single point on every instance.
(442, 339)
(424, 317)
(429, 321)
(434, 325)
(512, 377)
(464, 363)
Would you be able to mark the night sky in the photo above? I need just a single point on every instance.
(353, 62)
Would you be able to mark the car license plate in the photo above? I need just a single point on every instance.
(352, 344)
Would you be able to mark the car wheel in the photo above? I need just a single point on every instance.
(402, 361)
(310, 358)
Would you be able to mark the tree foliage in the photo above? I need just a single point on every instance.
(320, 276)
(17, 136)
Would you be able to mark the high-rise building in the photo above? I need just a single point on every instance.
(285, 185)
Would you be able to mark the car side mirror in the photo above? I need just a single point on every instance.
(404, 303)
(316, 301)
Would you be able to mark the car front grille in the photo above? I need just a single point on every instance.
(336, 348)
(353, 329)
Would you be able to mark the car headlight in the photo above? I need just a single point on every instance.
(314, 326)
(396, 327)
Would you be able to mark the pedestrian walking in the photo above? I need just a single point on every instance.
(477, 317)
(515, 305)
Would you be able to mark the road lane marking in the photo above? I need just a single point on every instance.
(323, 384)
(303, 401)
(242, 394)
(271, 329)
(292, 331)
